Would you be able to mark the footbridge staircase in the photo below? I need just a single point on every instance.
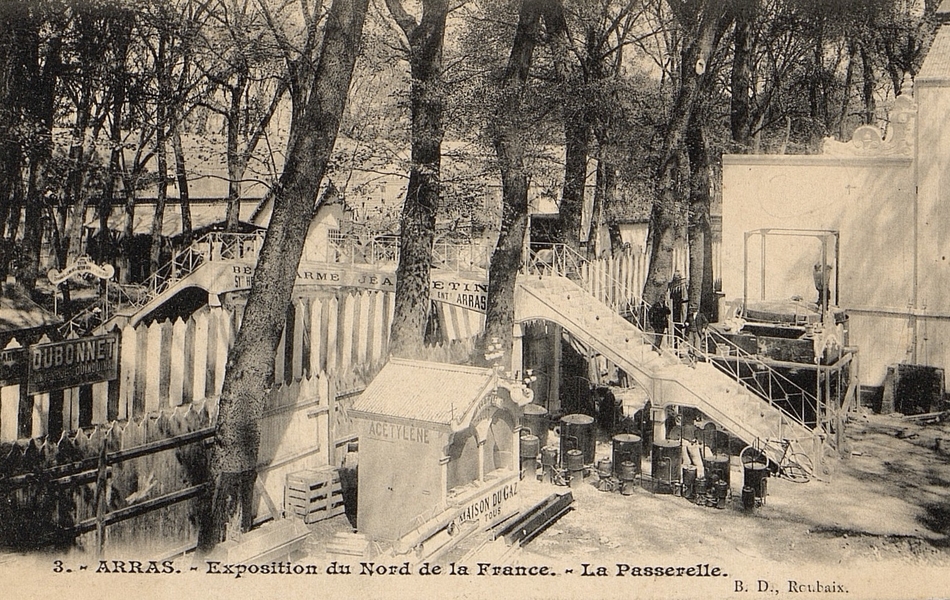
(550, 292)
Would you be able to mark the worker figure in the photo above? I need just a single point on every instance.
(822, 282)
(678, 298)
(696, 323)
(692, 451)
(659, 316)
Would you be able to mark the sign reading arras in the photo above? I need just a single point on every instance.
(59, 365)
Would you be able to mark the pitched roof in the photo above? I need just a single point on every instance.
(424, 391)
(936, 67)
(18, 312)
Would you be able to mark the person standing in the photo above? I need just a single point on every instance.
(679, 298)
(696, 324)
(659, 317)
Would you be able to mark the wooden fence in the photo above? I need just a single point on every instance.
(621, 277)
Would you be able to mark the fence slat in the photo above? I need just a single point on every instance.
(176, 372)
(201, 355)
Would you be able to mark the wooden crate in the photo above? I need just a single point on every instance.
(314, 494)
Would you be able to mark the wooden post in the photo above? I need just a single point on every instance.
(330, 389)
(101, 482)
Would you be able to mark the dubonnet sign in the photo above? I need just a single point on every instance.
(59, 365)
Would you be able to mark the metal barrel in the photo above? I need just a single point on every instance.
(575, 460)
(670, 450)
(577, 433)
(718, 464)
(666, 465)
(605, 466)
(626, 448)
(748, 498)
(628, 471)
(689, 481)
(722, 489)
(755, 476)
(700, 486)
(535, 420)
(530, 446)
(549, 456)
(575, 467)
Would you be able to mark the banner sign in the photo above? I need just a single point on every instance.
(60, 365)
(13, 366)
(83, 266)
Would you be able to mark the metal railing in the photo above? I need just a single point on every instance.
(564, 261)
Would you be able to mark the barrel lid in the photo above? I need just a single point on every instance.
(666, 443)
(534, 409)
(574, 452)
(529, 437)
(717, 458)
(577, 419)
(626, 437)
(755, 466)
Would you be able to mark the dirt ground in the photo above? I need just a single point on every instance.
(887, 500)
(880, 527)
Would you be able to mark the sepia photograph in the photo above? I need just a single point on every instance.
(471, 299)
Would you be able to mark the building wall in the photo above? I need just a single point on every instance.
(399, 479)
(869, 200)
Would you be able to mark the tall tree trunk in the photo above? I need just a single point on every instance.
(740, 115)
(698, 229)
(577, 129)
(870, 80)
(577, 150)
(507, 132)
(250, 368)
(704, 37)
(184, 196)
(162, 70)
(237, 162)
(417, 225)
(40, 108)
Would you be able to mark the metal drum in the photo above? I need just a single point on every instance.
(755, 476)
(628, 475)
(666, 464)
(548, 462)
(718, 464)
(605, 466)
(626, 447)
(575, 467)
(535, 420)
(722, 492)
(575, 460)
(530, 446)
(748, 498)
(577, 433)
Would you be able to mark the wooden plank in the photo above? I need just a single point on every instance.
(176, 371)
(127, 371)
(201, 355)
(141, 370)
(364, 324)
(164, 364)
(152, 364)
(332, 308)
(221, 348)
(40, 415)
(100, 402)
(316, 338)
(300, 321)
(9, 411)
(346, 331)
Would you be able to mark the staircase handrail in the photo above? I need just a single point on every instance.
(784, 382)
(565, 261)
(713, 412)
